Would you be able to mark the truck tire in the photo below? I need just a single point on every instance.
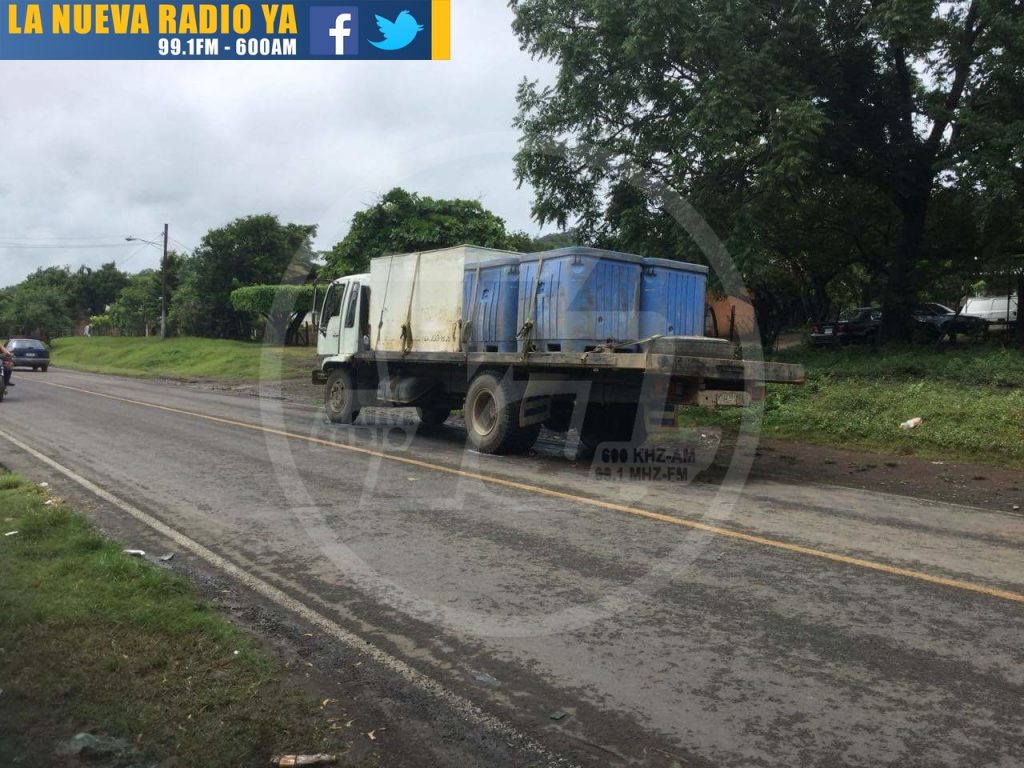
(433, 415)
(340, 397)
(492, 417)
(693, 346)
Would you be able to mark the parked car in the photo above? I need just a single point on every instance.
(938, 320)
(30, 353)
(853, 326)
(999, 311)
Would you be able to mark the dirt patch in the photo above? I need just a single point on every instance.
(976, 485)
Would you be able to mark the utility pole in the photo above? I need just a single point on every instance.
(163, 289)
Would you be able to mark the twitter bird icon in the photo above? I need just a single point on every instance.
(398, 33)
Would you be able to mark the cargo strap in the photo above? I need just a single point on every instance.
(407, 340)
(526, 332)
(467, 329)
(384, 303)
(612, 345)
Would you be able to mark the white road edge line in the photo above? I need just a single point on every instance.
(465, 708)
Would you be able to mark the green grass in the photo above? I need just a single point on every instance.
(185, 358)
(93, 640)
(970, 366)
(971, 401)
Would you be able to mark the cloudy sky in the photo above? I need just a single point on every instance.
(94, 152)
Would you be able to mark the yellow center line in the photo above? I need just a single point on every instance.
(715, 530)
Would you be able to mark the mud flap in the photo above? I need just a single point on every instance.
(540, 393)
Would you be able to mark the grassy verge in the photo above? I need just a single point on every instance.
(93, 640)
(218, 360)
(971, 401)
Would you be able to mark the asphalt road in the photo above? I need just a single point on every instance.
(661, 622)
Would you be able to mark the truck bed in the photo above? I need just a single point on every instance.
(656, 363)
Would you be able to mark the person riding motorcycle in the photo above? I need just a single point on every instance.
(8, 364)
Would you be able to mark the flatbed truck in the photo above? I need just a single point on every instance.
(614, 393)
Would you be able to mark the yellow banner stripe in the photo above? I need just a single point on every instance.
(441, 30)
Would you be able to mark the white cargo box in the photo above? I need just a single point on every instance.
(421, 293)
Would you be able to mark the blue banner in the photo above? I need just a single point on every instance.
(342, 30)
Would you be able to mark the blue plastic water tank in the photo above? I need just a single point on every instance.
(490, 307)
(583, 298)
(672, 298)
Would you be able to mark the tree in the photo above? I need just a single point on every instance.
(747, 107)
(137, 310)
(91, 291)
(251, 250)
(36, 309)
(403, 222)
(283, 307)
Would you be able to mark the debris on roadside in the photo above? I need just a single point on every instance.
(559, 715)
(483, 677)
(166, 558)
(135, 552)
(89, 746)
(44, 485)
(11, 533)
(912, 424)
(294, 761)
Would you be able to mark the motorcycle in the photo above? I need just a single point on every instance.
(5, 373)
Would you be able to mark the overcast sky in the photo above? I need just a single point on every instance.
(94, 152)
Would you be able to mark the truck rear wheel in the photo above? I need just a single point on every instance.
(492, 417)
(433, 415)
(340, 397)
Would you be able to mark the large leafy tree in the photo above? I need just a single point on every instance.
(282, 307)
(760, 110)
(137, 310)
(34, 308)
(404, 222)
(91, 291)
(251, 250)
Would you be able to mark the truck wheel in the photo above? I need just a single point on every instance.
(340, 397)
(492, 418)
(46, 368)
(434, 415)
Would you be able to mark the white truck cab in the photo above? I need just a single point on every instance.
(345, 319)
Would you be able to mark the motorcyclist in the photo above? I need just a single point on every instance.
(8, 364)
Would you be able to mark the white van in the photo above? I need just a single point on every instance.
(996, 309)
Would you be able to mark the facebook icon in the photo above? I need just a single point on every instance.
(334, 30)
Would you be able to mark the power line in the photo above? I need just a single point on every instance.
(56, 238)
(64, 246)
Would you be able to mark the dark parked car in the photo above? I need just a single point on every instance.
(853, 326)
(30, 353)
(938, 320)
